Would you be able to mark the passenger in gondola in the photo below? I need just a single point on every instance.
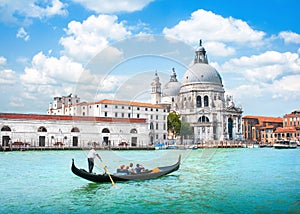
(122, 170)
(139, 168)
(131, 169)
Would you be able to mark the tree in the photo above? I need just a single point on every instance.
(186, 129)
(174, 123)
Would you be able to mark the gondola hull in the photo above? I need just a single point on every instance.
(104, 178)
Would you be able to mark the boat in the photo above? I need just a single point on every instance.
(285, 144)
(160, 146)
(105, 178)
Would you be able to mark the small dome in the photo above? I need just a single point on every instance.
(171, 89)
(201, 72)
(173, 86)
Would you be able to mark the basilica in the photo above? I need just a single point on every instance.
(200, 100)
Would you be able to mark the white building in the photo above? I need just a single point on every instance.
(154, 115)
(200, 101)
(73, 131)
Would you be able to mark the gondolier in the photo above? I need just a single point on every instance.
(91, 158)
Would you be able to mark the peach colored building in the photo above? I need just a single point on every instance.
(291, 127)
(260, 128)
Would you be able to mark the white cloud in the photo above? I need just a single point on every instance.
(287, 87)
(2, 60)
(265, 67)
(267, 76)
(22, 34)
(50, 70)
(209, 26)
(248, 91)
(111, 6)
(7, 76)
(290, 37)
(84, 40)
(49, 75)
(20, 10)
(219, 49)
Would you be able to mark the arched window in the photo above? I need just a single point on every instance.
(133, 131)
(75, 129)
(203, 119)
(198, 101)
(5, 129)
(42, 129)
(105, 130)
(205, 101)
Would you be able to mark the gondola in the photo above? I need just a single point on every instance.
(104, 178)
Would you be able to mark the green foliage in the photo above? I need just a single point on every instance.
(186, 129)
(174, 123)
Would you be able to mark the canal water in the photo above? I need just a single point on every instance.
(258, 180)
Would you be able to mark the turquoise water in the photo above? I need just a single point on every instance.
(208, 181)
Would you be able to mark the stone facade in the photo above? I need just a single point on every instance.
(72, 131)
(201, 102)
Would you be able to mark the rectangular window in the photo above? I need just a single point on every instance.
(129, 115)
(122, 114)
(105, 106)
(138, 116)
(116, 114)
(105, 114)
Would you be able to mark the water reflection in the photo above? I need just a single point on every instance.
(91, 188)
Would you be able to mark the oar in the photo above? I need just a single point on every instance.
(106, 171)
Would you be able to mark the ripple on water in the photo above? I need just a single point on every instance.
(208, 181)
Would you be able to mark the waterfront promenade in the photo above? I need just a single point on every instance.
(202, 145)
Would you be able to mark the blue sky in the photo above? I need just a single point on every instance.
(100, 49)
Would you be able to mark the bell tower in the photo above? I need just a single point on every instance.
(155, 90)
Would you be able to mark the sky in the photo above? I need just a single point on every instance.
(110, 49)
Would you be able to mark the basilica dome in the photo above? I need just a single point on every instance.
(203, 73)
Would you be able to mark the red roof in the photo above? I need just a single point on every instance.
(69, 118)
(265, 119)
(119, 102)
(285, 129)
